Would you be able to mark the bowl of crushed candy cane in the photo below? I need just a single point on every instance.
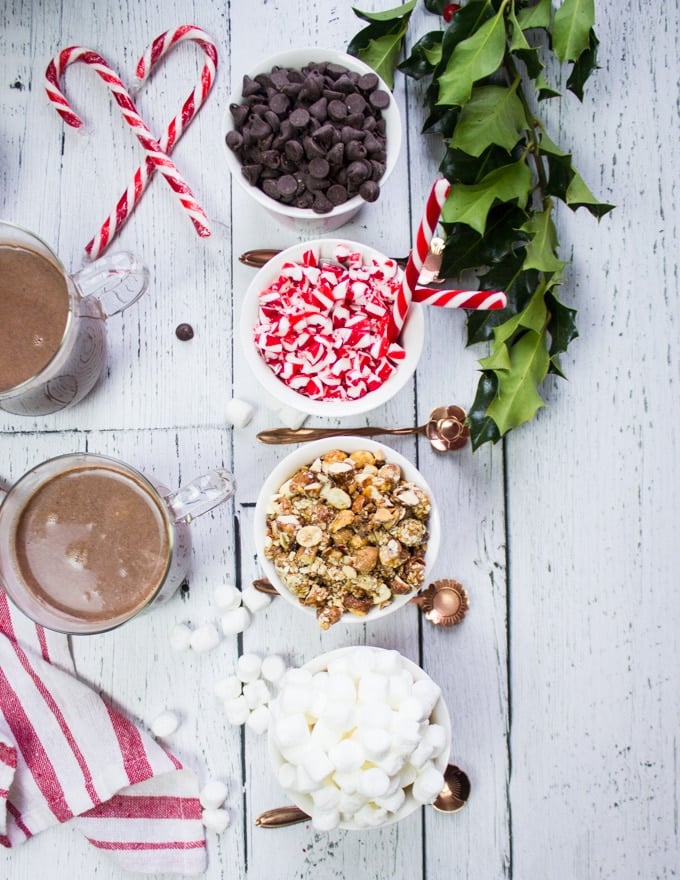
(346, 529)
(314, 328)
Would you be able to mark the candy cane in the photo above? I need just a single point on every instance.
(481, 300)
(155, 153)
(157, 50)
(419, 251)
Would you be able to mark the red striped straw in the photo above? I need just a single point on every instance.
(155, 153)
(176, 128)
(480, 300)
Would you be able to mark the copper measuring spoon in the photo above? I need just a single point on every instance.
(445, 429)
(259, 257)
(451, 798)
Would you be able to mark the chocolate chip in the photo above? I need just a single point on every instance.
(319, 109)
(321, 204)
(250, 87)
(184, 332)
(280, 77)
(369, 190)
(234, 140)
(299, 118)
(358, 171)
(294, 151)
(355, 150)
(368, 82)
(337, 110)
(306, 200)
(239, 113)
(287, 185)
(379, 99)
(335, 70)
(355, 120)
(264, 79)
(319, 168)
(252, 173)
(280, 103)
(258, 127)
(348, 134)
(337, 194)
(270, 187)
(336, 154)
(272, 120)
(356, 103)
(344, 84)
(312, 148)
(271, 158)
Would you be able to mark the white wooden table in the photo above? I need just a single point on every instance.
(562, 682)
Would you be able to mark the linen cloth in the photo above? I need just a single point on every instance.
(67, 755)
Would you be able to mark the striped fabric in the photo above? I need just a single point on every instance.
(65, 755)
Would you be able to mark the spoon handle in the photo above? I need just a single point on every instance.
(279, 817)
(278, 436)
(259, 257)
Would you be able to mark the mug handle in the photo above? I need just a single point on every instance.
(201, 495)
(116, 281)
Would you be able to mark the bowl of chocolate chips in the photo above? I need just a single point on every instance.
(312, 136)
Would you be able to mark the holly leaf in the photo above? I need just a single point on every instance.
(517, 399)
(571, 29)
(442, 120)
(579, 196)
(542, 248)
(583, 67)
(387, 15)
(545, 90)
(379, 45)
(493, 115)
(460, 167)
(474, 58)
(483, 429)
(425, 56)
(537, 16)
(466, 249)
(471, 204)
(561, 325)
(519, 287)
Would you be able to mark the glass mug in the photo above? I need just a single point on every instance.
(88, 542)
(52, 324)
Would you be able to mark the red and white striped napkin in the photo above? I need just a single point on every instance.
(66, 755)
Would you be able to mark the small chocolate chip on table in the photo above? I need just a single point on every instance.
(184, 332)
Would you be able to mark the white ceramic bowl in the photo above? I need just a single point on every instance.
(412, 338)
(304, 219)
(306, 454)
(439, 715)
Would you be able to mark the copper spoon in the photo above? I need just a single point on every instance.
(445, 429)
(259, 257)
(450, 799)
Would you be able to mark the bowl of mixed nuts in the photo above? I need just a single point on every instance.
(346, 529)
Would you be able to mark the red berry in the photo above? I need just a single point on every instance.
(450, 11)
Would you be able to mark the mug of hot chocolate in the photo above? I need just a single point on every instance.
(53, 323)
(88, 542)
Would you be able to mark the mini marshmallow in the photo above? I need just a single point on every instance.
(256, 693)
(392, 802)
(348, 781)
(391, 763)
(435, 735)
(291, 417)
(286, 775)
(292, 730)
(255, 600)
(326, 820)
(346, 755)
(408, 775)
(236, 711)
(318, 703)
(326, 798)
(248, 667)
(413, 707)
(227, 597)
(324, 734)
(349, 803)
(215, 820)
(373, 688)
(228, 688)
(338, 665)
(213, 794)
(341, 688)
(375, 715)
(294, 699)
(400, 688)
(317, 764)
(239, 413)
(374, 782)
(235, 621)
(303, 781)
(375, 743)
(388, 662)
(298, 676)
(180, 637)
(273, 668)
(428, 784)
(360, 662)
(422, 753)
(204, 638)
(340, 715)
(405, 735)
(428, 693)
(165, 724)
(370, 816)
(258, 720)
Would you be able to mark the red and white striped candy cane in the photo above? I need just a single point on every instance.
(155, 153)
(416, 259)
(132, 195)
(481, 300)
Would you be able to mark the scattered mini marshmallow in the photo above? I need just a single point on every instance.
(227, 597)
(213, 794)
(235, 621)
(427, 785)
(288, 415)
(204, 638)
(273, 668)
(215, 820)
(255, 600)
(256, 693)
(228, 688)
(236, 711)
(258, 720)
(248, 667)
(165, 724)
(239, 413)
(180, 637)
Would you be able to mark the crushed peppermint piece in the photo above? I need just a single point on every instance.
(322, 327)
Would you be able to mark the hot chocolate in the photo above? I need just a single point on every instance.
(93, 542)
(34, 307)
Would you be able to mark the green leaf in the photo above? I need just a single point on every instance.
(474, 58)
(460, 167)
(579, 196)
(537, 16)
(542, 248)
(380, 49)
(517, 38)
(583, 67)
(466, 249)
(482, 428)
(499, 359)
(442, 120)
(493, 115)
(571, 28)
(471, 204)
(517, 399)
(519, 288)
(545, 90)
(532, 317)
(388, 14)
(561, 325)
(425, 56)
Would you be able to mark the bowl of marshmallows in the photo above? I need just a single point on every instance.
(359, 738)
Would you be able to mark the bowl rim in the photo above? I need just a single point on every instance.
(307, 453)
(439, 715)
(290, 58)
(413, 330)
